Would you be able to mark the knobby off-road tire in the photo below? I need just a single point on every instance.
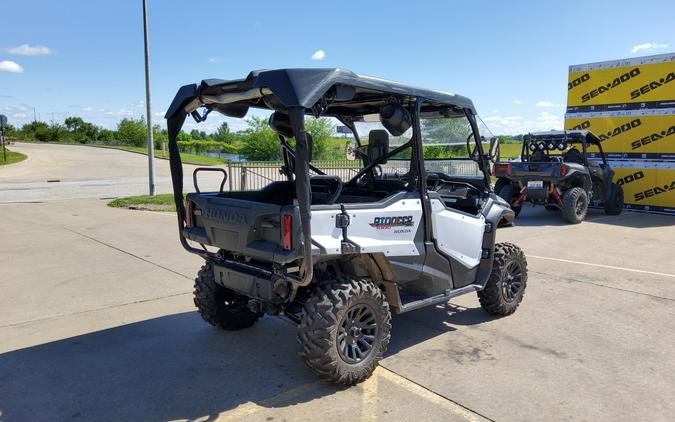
(345, 330)
(614, 203)
(508, 193)
(219, 306)
(500, 183)
(506, 286)
(575, 205)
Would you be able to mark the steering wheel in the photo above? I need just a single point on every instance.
(334, 184)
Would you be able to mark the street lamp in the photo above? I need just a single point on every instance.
(151, 145)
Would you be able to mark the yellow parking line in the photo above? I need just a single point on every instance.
(370, 389)
(369, 399)
(429, 395)
(249, 408)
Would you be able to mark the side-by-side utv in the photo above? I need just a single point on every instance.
(555, 171)
(414, 226)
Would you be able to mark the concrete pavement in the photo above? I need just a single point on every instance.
(97, 323)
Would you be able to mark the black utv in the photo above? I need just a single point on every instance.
(413, 226)
(556, 171)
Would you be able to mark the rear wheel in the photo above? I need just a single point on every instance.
(506, 286)
(614, 203)
(575, 205)
(508, 193)
(219, 306)
(500, 183)
(344, 330)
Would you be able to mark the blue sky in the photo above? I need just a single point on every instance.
(85, 58)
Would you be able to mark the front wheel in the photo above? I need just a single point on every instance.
(505, 288)
(614, 203)
(344, 330)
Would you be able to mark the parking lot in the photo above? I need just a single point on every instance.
(97, 321)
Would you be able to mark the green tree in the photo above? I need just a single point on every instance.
(259, 142)
(106, 136)
(223, 134)
(455, 129)
(132, 131)
(80, 131)
(322, 131)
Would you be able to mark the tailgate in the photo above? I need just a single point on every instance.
(528, 171)
(246, 227)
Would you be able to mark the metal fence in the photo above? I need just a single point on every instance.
(256, 175)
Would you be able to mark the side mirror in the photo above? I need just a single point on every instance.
(494, 149)
(351, 151)
(378, 144)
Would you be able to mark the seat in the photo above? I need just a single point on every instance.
(573, 156)
(539, 157)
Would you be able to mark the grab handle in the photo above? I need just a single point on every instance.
(198, 169)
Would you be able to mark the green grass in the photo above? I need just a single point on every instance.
(509, 151)
(162, 202)
(200, 160)
(12, 157)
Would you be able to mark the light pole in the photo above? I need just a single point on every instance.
(148, 109)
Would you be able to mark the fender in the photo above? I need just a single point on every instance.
(497, 213)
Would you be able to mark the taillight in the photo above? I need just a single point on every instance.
(188, 214)
(564, 170)
(287, 232)
(505, 168)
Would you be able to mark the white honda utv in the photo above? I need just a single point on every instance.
(413, 227)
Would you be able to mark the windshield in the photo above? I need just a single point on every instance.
(445, 142)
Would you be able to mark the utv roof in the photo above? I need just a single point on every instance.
(563, 135)
(349, 93)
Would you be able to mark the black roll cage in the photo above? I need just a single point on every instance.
(578, 137)
(286, 90)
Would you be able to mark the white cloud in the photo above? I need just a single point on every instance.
(495, 111)
(647, 46)
(517, 102)
(543, 103)
(10, 66)
(319, 55)
(515, 125)
(139, 104)
(89, 109)
(215, 59)
(28, 50)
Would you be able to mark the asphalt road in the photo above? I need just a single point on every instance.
(97, 323)
(57, 172)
